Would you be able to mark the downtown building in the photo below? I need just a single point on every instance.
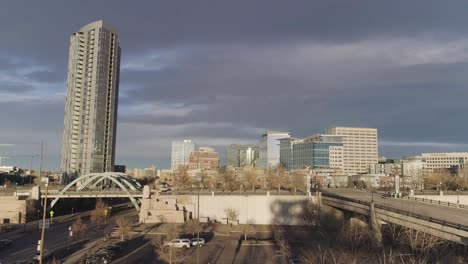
(360, 148)
(269, 150)
(242, 155)
(204, 159)
(430, 162)
(91, 104)
(317, 152)
(180, 154)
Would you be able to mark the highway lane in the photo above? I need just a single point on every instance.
(451, 214)
(24, 247)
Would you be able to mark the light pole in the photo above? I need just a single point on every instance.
(198, 225)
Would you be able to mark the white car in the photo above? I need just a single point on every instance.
(197, 242)
(178, 243)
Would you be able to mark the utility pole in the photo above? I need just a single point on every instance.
(198, 225)
(45, 207)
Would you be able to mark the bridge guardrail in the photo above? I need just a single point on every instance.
(438, 202)
(403, 212)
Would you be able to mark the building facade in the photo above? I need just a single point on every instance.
(315, 152)
(360, 148)
(92, 97)
(181, 153)
(387, 167)
(242, 155)
(205, 159)
(269, 155)
(433, 161)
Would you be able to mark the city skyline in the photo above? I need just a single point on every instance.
(217, 79)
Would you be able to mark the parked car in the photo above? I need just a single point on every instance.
(5, 243)
(197, 242)
(178, 243)
(46, 255)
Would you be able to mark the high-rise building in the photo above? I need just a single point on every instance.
(92, 97)
(269, 156)
(314, 152)
(242, 155)
(360, 148)
(205, 159)
(181, 153)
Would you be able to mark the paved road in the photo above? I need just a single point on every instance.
(24, 247)
(455, 215)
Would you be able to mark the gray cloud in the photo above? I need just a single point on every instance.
(222, 71)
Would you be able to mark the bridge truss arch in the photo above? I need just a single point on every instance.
(103, 181)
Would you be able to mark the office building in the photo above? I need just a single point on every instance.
(386, 167)
(360, 148)
(242, 155)
(269, 155)
(205, 159)
(434, 161)
(181, 153)
(315, 152)
(92, 97)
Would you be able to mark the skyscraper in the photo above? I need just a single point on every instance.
(269, 157)
(360, 148)
(92, 98)
(181, 153)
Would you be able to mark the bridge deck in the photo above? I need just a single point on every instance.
(445, 213)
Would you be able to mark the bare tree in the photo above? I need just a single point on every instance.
(232, 215)
(250, 180)
(98, 215)
(311, 213)
(231, 181)
(123, 228)
(281, 242)
(167, 253)
(183, 181)
(298, 181)
(192, 227)
(79, 228)
(355, 234)
(274, 179)
(423, 243)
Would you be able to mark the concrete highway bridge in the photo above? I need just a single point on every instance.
(442, 221)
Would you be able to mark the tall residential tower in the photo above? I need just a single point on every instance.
(92, 97)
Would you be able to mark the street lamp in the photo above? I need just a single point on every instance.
(198, 225)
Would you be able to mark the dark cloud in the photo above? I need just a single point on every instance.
(16, 88)
(224, 70)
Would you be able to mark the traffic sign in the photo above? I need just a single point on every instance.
(51, 213)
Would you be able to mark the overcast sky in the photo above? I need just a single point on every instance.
(222, 72)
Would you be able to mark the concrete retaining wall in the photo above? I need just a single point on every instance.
(446, 198)
(255, 209)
